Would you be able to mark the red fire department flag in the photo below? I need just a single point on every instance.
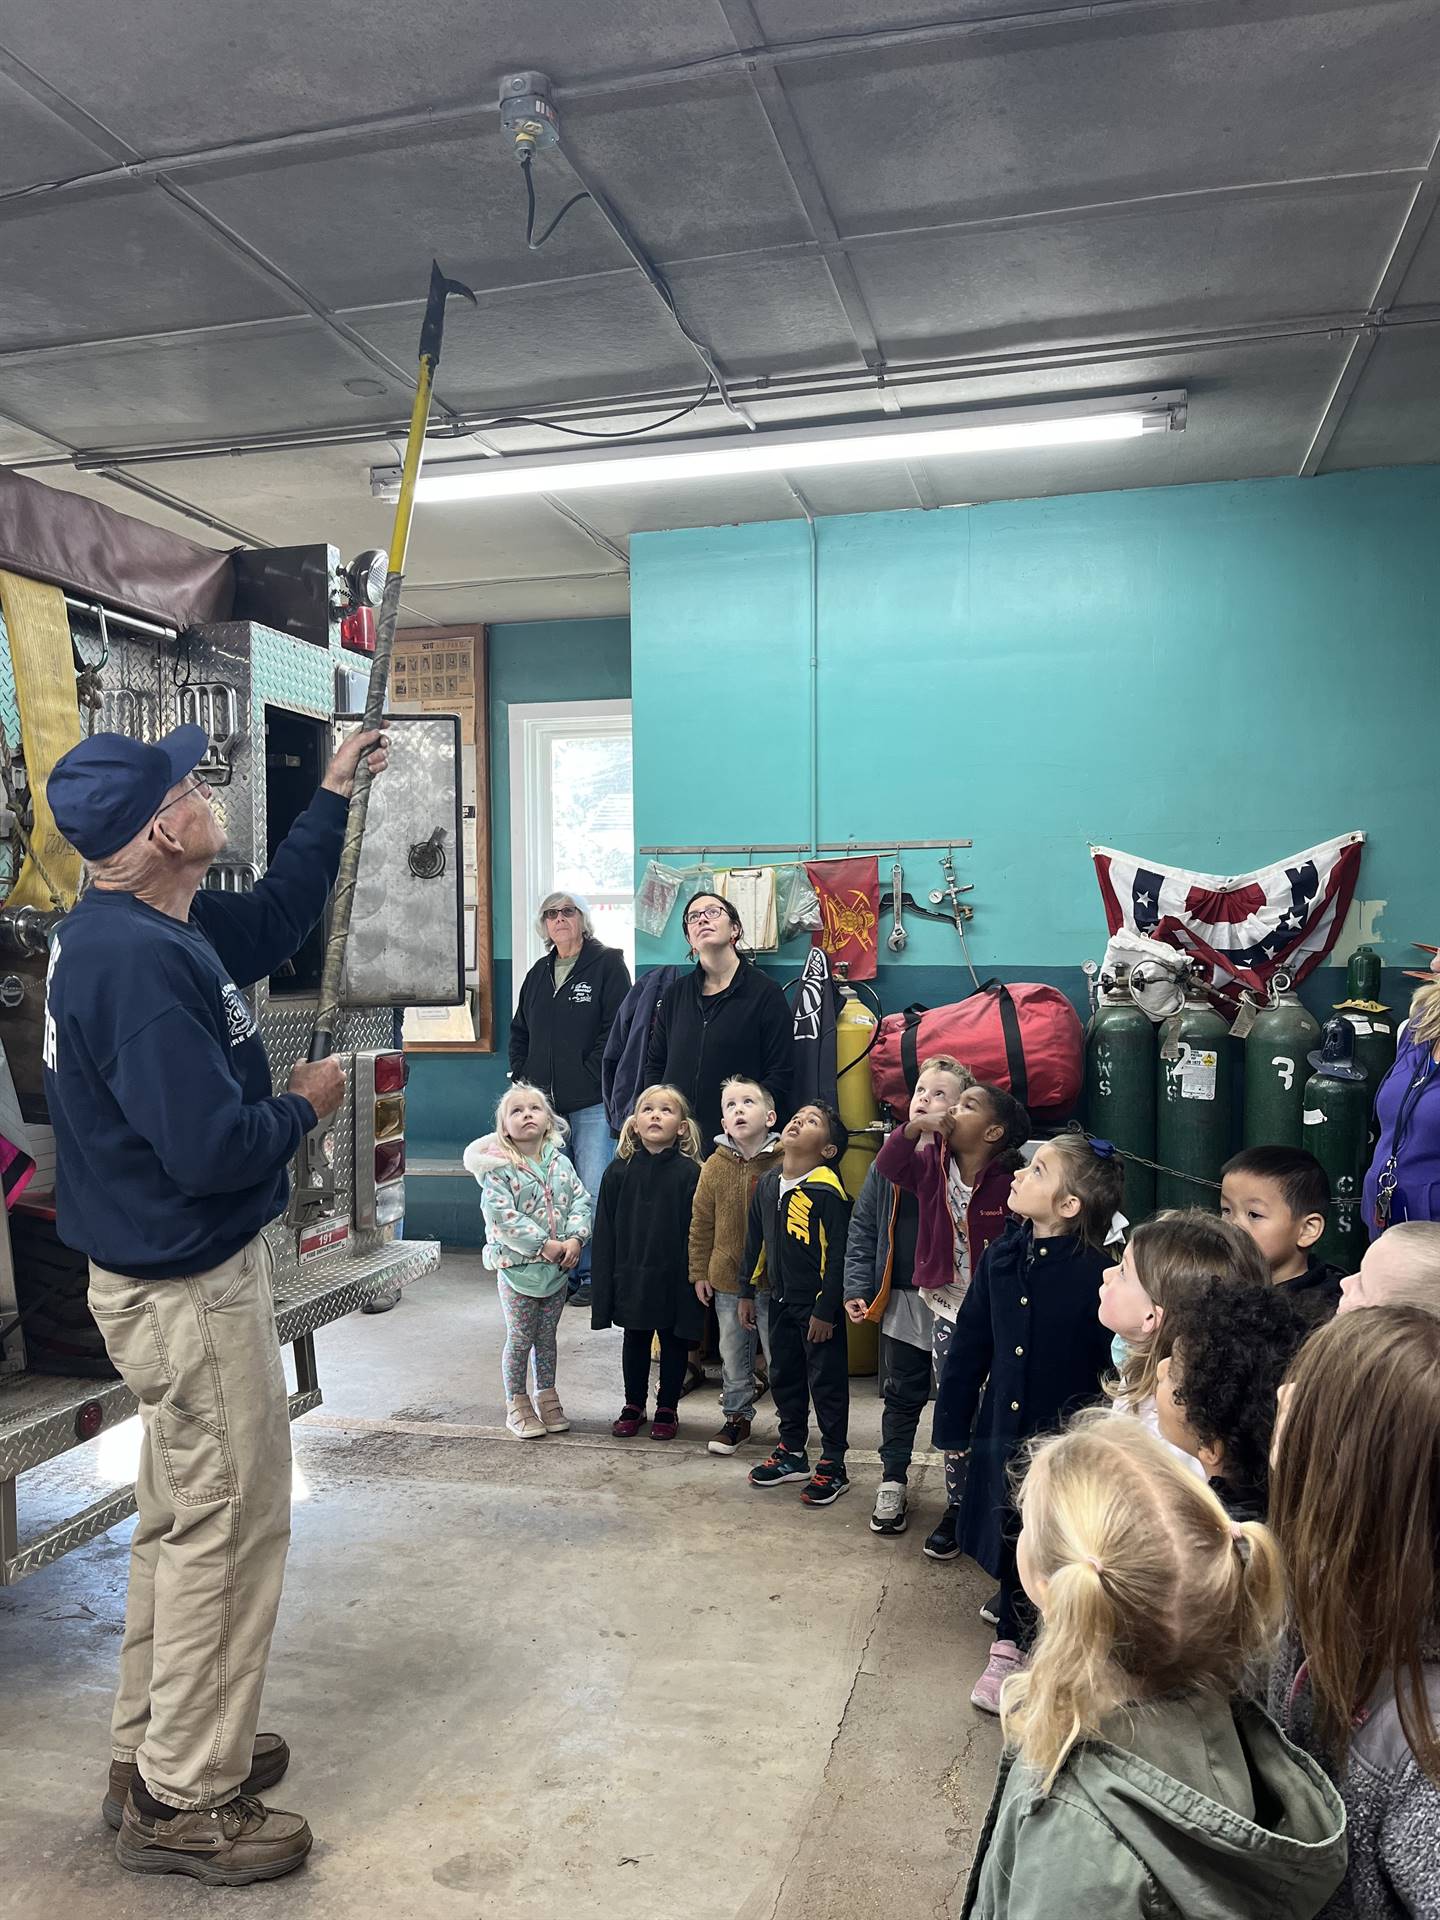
(849, 895)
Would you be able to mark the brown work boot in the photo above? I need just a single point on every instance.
(225, 1846)
(271, 1758)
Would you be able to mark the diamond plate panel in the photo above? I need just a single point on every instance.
(87, 1525)
(100, 1517)
(37, 1412)
(37, 1416)
(406, 943)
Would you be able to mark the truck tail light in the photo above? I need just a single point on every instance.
(392, 1071)
(379, 1083)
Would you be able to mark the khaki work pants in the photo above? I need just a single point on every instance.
(207, 1560)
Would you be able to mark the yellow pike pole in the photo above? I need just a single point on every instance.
(327, 1013)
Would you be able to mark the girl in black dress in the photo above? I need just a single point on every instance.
(641, 1254)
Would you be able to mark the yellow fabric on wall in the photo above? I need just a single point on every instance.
(44, 669)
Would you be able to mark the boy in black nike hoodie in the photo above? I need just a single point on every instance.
(799, 1216)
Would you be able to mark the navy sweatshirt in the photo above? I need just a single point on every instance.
(172, 1150)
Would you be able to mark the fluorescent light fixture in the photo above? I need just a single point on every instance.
(1011, 429)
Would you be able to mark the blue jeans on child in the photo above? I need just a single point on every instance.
(591, 1148)
(737, 1352)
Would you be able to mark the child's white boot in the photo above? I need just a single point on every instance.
(522, 1419)
(550, 1411)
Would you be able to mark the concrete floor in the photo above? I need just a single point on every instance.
(576, 1679)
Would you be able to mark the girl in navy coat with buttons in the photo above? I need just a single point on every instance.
(1028, 1341)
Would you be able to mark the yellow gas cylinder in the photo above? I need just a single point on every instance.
(854, 1033)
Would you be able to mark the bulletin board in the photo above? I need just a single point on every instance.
(443, 670)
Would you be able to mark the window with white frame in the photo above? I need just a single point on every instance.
(571, 819)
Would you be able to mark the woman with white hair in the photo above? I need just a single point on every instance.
(567, 1004)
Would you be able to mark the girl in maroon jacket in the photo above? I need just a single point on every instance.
(959, 1163)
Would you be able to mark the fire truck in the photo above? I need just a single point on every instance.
(107, 623)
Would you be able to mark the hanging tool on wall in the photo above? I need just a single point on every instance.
(899, 939)
(949, 891)
(313, 1184)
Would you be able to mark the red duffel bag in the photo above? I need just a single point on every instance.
(1024, 1036)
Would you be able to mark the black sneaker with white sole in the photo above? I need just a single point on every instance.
(942, 1544)
(891, 1508)
(782, 1467)
(991, 1610)
(825, 1485)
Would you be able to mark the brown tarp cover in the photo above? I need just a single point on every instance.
(92, 551)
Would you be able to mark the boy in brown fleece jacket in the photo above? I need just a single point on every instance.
(748, 1147)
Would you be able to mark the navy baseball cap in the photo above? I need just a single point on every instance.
(104, 791)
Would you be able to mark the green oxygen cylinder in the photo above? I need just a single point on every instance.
(1192, 1097)
(1280, 1038)
(1337, 1131)
(1372, 1021)
(1120, 1086)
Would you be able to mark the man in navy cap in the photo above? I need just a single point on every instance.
(172, 1156)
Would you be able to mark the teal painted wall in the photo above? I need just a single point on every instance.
(452, 1097)
(1212, 676)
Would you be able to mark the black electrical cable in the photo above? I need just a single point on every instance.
(662, 286)
(587, 433)
(531, 242)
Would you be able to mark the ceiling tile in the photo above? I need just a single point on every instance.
(1393, 418)
(128, 262)
(196, 385)
(34, 145)
(771, 314)
(541, 343)
(360, 229)
(620, 511)
(1070, 115)
(588, 597)
(170, 78)
(1225, 263)
(1421, 285)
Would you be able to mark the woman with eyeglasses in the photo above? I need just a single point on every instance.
(723, 1018)
(567, 1006)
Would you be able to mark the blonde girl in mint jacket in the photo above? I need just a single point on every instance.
(537, 1218)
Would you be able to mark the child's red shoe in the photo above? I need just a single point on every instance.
(630, 1422)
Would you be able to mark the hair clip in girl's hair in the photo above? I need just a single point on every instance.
(1102, 1149)
(1241, 1543)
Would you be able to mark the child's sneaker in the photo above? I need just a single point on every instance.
(942, 1544)
(891, 1508)
(664, 1426)
(990, 1612)
(522, 1419)
(630, 1422)
(783, 1465)
(552, 1414)
(825, 1485)
(731, 1437)
(1005, 1659)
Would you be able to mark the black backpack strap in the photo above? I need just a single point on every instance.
(910, 1046)
(1014, 1045)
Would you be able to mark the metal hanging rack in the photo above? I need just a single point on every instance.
(813, 853)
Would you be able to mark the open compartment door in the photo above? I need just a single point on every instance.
(407, 940)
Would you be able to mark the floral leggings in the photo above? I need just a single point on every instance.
(529, 1322)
